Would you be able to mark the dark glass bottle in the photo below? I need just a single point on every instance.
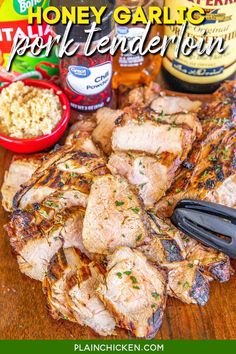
(203, 74)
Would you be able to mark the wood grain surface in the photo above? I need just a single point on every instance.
(23, 313)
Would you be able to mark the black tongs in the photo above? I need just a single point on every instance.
(212, 224)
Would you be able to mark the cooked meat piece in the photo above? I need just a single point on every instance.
(85, 124)
(188, 120)
(186, 283)
(114, 216)
(72, 168)
(19, 172)
(141, 95)
(135, 292)
(35, 239)
(165, 245)
(211, 262)
(209, 172)
(159, 138)
(83, 300)
(82, 141)
(106, 122)
(172, 105)
(62, 265)
(151, 175)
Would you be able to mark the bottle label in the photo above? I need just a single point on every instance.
(128, 59)
(89, 81)
(220, 22)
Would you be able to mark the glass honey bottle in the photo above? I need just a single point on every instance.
(131, 69)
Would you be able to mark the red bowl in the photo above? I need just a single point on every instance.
(39, 143)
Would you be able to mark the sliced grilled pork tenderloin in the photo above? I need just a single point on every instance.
(135, 292)
(171, 105)
(106, 122)
(35, 239)
(62, 265)
(151, 175)
(74, 168)
(83, 300)
(19, 172)
(159, 138)
(114, 216)
(187, 283)
(141, 95)
(165, 245)
(213, 263)
(210, 170)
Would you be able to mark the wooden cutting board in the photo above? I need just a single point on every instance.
(23, 314)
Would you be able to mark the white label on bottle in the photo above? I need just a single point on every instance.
(89, 81)
(128, 59)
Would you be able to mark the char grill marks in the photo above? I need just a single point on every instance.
(209, 171)
(52, 206)
(70, 288)
(148, 146)
(135, 292)
(73, 211)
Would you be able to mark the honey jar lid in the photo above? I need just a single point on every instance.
(77, 32)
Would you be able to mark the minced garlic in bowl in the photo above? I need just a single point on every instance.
(28, 112)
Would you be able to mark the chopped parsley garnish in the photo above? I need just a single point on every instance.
(136, 287)
(44, 213)
(153, 306)
(119, 275)
(73, 174)
(190, 265)
(49, 203)
(135, 210)
(128, 272)
(138, 238)
(118, 203)
(133, 279)
(66, 166)
(186, 285)
(156, 295)
(142, 185)
(178, 190)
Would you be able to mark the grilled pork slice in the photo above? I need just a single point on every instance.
(159, 138)
(213, 263)
(151, 175)
(19, 172)
(106, 122)
(186, 283)
(62, 265)
(171, 105)
(114, 216)
(36, 239)
(74, 169)
(141, 95)
(210, 170)
(83, 300)
(165, 245)
(135, 292)
(82, 141)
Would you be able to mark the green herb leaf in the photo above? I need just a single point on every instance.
(135, 210)
(136, 287)
(133, 279)
(119, 275)
(156, 295)
(128, 272)
(119, 203)
(138, 238)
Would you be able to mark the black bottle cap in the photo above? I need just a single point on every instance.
(77, 32)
